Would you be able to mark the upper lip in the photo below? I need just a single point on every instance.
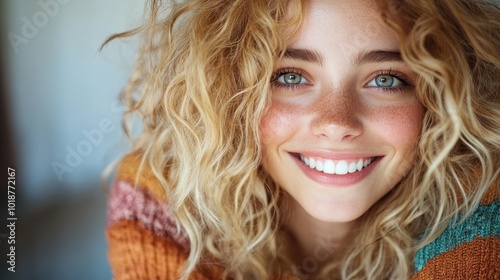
(335, 155)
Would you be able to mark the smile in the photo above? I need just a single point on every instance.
(339, 167)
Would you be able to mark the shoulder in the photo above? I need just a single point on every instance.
(144, 238)
(140, 197)
(469, 250)
(131, 171)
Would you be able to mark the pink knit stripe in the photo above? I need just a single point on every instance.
(128, 202)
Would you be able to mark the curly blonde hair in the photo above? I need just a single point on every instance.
(201, 86)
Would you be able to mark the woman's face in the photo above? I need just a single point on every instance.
(344, 121)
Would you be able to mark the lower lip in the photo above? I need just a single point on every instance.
(334, 179)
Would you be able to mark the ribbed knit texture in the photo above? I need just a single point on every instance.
(470, 250)
(145, 242)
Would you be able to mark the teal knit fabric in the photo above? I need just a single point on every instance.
(484, 222)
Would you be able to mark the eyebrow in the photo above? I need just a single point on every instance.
(377, 56)
(364, 57)
(305, 55)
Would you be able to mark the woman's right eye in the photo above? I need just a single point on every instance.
(290, 79)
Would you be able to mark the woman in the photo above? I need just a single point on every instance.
(313, 140)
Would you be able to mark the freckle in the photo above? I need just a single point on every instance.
(404, 118)
(339, 106)
(279, 115)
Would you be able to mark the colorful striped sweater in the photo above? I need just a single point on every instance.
(144, 242)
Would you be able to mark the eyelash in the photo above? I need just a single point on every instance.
(280, 72)
(405, 83)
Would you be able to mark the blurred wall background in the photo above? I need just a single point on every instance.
(61, 128)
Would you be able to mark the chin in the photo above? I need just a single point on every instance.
(332, 214)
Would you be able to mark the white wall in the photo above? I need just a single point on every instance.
(60, 85)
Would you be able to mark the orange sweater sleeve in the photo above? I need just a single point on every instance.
(468, 251)
(143, 237)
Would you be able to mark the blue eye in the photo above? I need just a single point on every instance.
(385, 81)
(291, 78)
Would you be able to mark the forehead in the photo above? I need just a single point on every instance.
(344, 25)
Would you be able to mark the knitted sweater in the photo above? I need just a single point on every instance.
(144, 242)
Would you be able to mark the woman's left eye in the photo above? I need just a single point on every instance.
(385, 81)
(390, 81)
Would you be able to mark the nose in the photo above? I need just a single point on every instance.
(337, 116)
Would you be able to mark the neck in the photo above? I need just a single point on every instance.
(316, 239)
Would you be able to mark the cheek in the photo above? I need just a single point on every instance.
(400, 125)
(278, 123)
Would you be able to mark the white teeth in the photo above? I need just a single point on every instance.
(352, 167)
(340, 167)
(329, 167)
(312, 163)
(319, 165)
(359, 166)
